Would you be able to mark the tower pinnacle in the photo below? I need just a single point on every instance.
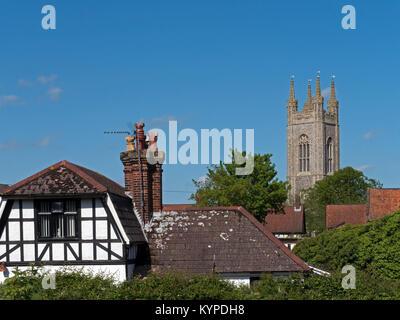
(308, 105)
(333, 104)
(318, 88)
(292, 102)
(318, 98)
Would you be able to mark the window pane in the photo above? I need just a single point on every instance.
(44, 225)
(70, 206)
(59, 226)
(57, 206)
(45, 206)
(71, 232)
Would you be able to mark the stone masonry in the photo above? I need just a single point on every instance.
(313, 144)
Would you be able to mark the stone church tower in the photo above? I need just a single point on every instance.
(313, 143)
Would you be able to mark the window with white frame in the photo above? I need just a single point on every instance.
(57, 219)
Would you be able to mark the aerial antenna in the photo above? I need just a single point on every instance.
(118, 132)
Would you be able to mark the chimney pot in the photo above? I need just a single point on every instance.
(130, 146)
(141, 141)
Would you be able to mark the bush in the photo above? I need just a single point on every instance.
(77, 285)
(373, 246)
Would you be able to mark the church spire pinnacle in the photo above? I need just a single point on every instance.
(309, 92)
(308, 105)
(333, 92)
(291, 95)
(318, 88)
(318, 98)
(292, 102)
(333, 104)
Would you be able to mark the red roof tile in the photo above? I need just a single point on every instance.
(291, 221)
(382, 202)
(338, 215)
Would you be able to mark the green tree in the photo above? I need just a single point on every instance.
(259, 193)
(346, 186)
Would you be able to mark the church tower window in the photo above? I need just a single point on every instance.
(329, 156)
(304, 154)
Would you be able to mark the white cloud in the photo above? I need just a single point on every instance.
(326, 92)
(45, 141)
(54, 93)
(370, 135)
(47, 79)
(10, 100)
(24, 83)
(364, 167)
(11, 144)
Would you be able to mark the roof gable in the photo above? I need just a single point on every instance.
(64, 178)
(220, 239)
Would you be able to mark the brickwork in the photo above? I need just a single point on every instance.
(143, 180)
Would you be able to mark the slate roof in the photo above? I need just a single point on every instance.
(382, 202)
(339, 215)
(64, 178)
(290, 221)
(220, 239)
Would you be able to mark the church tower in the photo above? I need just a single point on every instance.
(313, 144)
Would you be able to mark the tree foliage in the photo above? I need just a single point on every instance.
(346, 186)
(259, 192)
(373, 246)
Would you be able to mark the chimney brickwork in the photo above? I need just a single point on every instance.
(143, 179)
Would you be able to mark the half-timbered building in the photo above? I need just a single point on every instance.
(69, 215)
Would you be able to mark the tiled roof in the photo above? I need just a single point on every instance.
(290, 221)
(220, 239)
(339, 215)
(3, 186)
(64, 178)
(382, 202)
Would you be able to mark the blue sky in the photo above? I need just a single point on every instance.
(208, 64)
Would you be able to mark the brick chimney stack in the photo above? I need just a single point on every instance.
(143, 176)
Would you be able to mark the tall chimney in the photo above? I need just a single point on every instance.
(143, 175)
